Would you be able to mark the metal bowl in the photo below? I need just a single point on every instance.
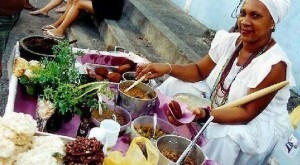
(177, 144)
(131, 76)
(137, 107)
(36, 47)
(119, 110)
(165, 126)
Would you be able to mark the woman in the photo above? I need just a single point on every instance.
(239, 64)
(109, 9)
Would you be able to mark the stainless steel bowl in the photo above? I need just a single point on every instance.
(165, 126)
(177, 144)
(135, 106)
(120, 110)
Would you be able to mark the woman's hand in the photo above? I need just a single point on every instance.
(172, 119)
(154, 70)
(200, 114)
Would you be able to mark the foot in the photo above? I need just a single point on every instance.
(39, 13)
(61, 9)
(28, 6)
(52, 34)
(48, 27)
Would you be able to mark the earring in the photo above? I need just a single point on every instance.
(273, 29)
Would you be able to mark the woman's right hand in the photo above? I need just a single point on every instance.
(154, 70)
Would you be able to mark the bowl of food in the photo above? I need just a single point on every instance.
(36, 47)
(139, 100)
(143, 126)
(192, 101)
(122, 116)
(170, 148)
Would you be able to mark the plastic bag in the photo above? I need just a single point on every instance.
(134, 155)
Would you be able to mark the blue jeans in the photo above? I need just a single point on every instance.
(6, 24)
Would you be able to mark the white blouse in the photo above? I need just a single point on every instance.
(273, 123)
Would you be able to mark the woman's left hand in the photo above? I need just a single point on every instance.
(200, 113)
(172, 119)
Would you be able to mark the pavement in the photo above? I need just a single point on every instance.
(151, 28)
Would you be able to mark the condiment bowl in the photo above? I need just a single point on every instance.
(119, 111)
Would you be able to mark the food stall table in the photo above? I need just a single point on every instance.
(19, 101)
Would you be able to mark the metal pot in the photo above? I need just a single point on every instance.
(135, 106)
(131, 76)
(31, 47)
(177, 144)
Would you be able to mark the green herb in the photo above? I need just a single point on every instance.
(61, 69)
(60, 80)
(68, 98)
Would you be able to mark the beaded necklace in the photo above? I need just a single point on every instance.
(219, 83)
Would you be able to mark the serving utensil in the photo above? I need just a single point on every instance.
(191, 145)
(255, 95)
(115, 104)
(135, 83)
(100, 103)
(154, 124)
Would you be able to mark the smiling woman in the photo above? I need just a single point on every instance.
(237, 65)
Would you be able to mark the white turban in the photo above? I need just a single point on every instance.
(277, 8)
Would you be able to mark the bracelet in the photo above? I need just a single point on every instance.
(207, 115)
(170, 66)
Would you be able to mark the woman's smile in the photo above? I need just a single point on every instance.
(245, 32)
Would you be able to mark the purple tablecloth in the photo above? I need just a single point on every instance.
(27, 104)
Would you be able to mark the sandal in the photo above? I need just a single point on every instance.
(48, 27)
(48, 33)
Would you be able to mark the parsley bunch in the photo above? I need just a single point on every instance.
(59, 70)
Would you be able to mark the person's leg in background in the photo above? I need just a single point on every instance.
(64, 8)
(69, 17)
(6, 24)
(44, 11)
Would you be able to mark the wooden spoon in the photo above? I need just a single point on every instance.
(255, 95)
(135, 83)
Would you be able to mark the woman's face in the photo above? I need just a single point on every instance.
(255, 22)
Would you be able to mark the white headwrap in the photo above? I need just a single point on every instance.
(277, 8)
